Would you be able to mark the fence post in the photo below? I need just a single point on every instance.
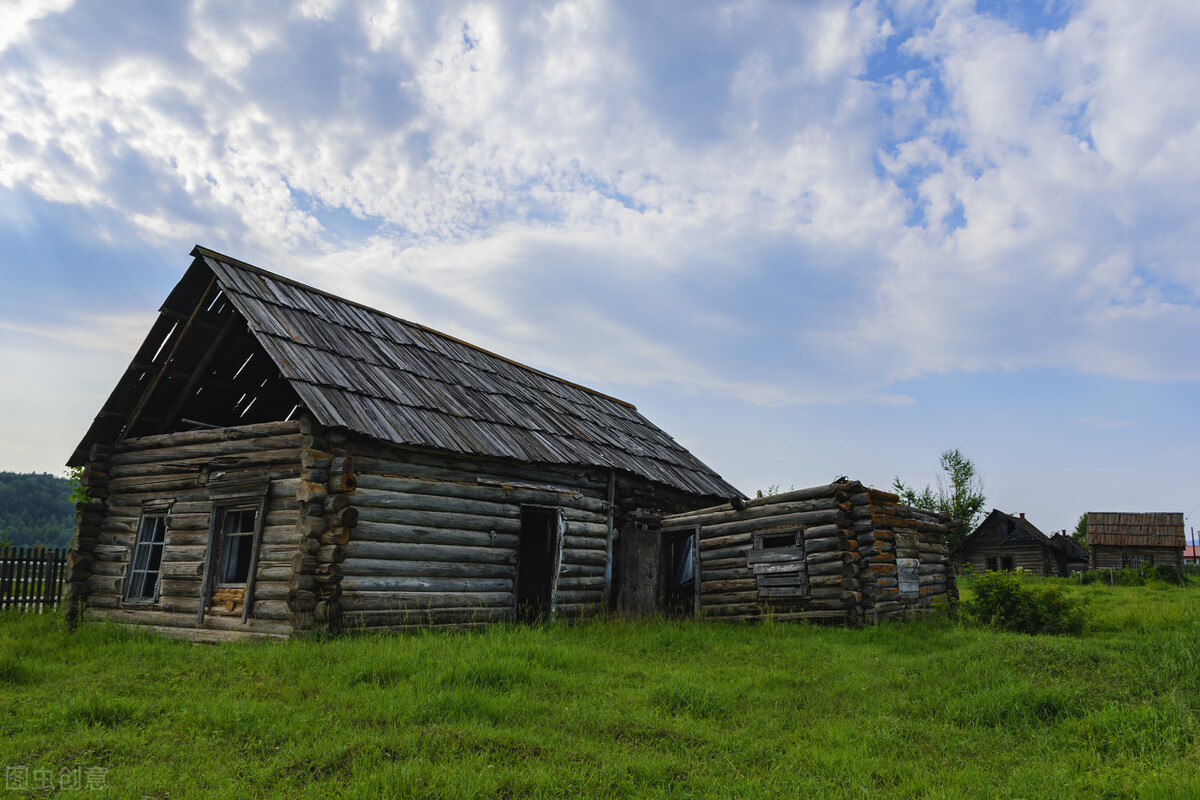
(6, 569)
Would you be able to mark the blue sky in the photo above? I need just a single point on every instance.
(807, 239)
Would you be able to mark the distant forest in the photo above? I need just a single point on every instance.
(35, 508)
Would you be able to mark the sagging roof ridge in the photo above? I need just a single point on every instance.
(200, 250)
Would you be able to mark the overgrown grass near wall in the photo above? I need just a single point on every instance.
(617, 709)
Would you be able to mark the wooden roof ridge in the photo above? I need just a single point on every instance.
(200, 250)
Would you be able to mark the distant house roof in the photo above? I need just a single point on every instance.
(1135, 530)
(1074, 550)
(1019, 527)
(1191, 551)
(357, 368)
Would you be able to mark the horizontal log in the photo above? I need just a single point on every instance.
(384, 459)
(105, 584)
(783, 521)
(372, 567)
(420, 618)
(427, 519)
(511, 494)
(271, 590)
(737, 573)
(425, 551)
(106, 552)
(139, 616)
(199, 444)
(168, 464)
(182, 569)
(763, 512)
(568, 570)
(586, 583)
(386, 532)
(583, 597)
(576, 556)
(407, 601)
(734, 541)
(725, 586)
(796, 495)
(354, 583)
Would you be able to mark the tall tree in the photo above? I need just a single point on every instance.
(959, 493)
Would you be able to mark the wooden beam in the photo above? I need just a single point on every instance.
(145, 398)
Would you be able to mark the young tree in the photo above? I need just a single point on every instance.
(1080, 532)
(959, 494)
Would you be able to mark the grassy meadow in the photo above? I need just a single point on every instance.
(930, 709)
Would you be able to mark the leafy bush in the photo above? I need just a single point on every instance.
(1001, 601)
(1134, 576)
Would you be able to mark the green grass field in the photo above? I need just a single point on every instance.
(929, 709)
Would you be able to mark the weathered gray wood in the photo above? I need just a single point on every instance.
(426, 551)
(423, 617)
(783, 521)
(206, 436)
(850, 488)
(426, 519)
(395, 583)
(402, 601)
(768, 511)
(371, 567)
(386, 459)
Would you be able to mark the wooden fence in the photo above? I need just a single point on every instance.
(31, 578)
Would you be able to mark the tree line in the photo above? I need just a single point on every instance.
(36, 509)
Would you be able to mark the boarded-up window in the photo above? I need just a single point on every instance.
(908, 565)
(778, 564)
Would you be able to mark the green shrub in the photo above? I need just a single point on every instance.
(1001, 601)
(1135, 576)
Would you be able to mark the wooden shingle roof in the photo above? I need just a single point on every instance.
(1135, 530)
(359, 368)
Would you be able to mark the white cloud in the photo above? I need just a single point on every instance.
(727, 200)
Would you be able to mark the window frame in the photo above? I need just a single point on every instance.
(242, 497)
(761, 538)
(225, 538)
(156, 515)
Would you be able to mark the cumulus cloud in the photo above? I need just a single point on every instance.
(775, 202)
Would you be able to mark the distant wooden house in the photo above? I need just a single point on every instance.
(1003, 542)
(1118, 540)
(277, 460)
(841, 553)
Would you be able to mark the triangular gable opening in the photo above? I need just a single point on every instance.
(199, 367)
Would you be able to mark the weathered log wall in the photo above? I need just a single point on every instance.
(435, 539)
(1028, 556)
(188, 470)
(1113, 557)
(818, 578)
(908, 567)
(857, 554)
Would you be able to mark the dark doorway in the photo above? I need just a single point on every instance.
(536, 559)
(678, 572)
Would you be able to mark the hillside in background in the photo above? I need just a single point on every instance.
(35, 508)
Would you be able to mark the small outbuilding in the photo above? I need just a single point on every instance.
(1003, 542)
(277, 460)
(1118, 540)
(841, 553)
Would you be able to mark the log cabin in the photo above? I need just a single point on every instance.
(277, 461)
(842, 553)
(1119, 540)
(1004, 542)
